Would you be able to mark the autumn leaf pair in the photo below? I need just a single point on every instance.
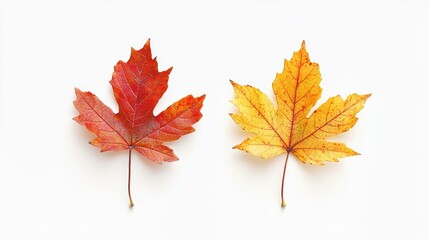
(138, 86)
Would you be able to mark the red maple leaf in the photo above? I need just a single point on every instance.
(138, 86)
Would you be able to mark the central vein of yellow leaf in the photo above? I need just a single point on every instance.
(289, 147)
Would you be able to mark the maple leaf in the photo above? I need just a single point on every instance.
(287, 128)
(138, 86)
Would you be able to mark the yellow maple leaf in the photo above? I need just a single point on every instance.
(287, 128)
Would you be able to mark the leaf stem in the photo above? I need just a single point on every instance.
(283, 179)
(129, 178)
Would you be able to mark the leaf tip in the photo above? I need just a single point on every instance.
(303, 44)
(366, 96)
(77, 91)
(168, 71)
(147, 43)
(202, 97)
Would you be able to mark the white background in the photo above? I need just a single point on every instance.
(54, 185)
